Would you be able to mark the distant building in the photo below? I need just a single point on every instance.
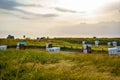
(10, 37)
(42, 38)
(37, 38)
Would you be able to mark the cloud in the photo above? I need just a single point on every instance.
(11, 6)
(119, 11)
(29, 16)
(114, 6)
(49, 15)
(99, 29)
(16, 15)
(65, 10)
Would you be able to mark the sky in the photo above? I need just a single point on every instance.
(60, 18)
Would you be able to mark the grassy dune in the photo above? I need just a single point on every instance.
(42, 65)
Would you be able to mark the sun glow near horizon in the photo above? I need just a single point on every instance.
(83, 5)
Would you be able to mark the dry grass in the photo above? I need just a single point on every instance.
(41, 65)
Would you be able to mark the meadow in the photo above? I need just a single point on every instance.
(70, 44)
(35, 63)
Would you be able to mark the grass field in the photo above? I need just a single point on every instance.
(71, 44)
(42, 65)
(35, 63)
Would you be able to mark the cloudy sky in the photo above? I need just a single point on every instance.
(60, 18)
